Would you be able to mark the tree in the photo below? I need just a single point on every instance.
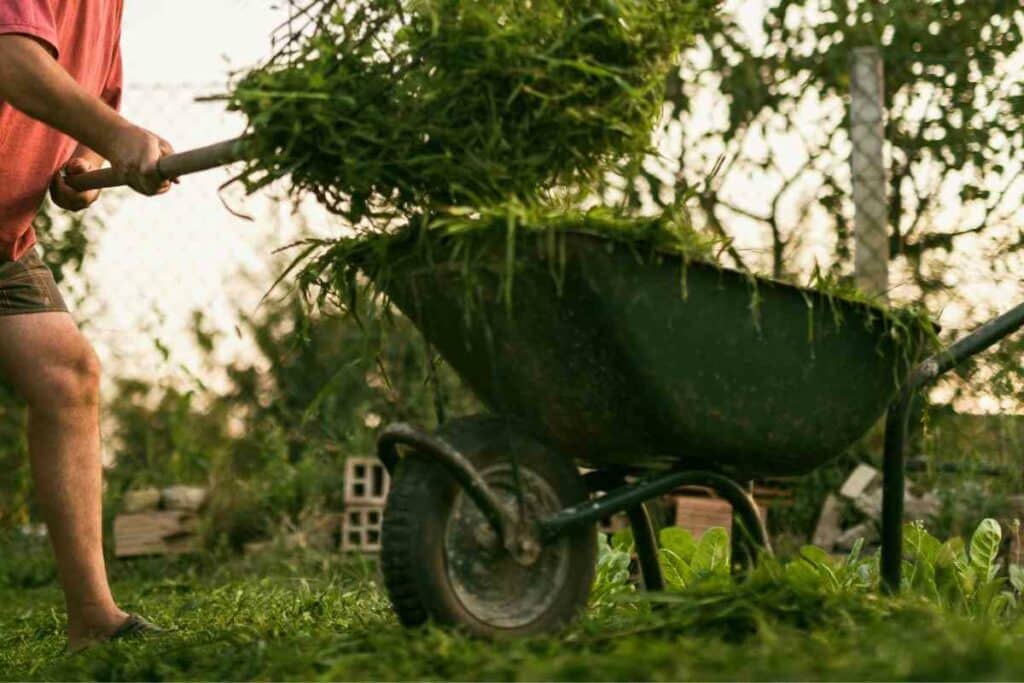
(757, 131)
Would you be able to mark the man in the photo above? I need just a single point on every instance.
(60, 86)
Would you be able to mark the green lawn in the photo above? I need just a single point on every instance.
(322, 618)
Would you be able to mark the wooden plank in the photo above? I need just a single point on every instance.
(155, 533)
(697, 514)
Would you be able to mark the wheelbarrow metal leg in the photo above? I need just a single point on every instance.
(646, 547)
(893, 492)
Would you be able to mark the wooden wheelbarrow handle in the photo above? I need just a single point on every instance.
(170, 167)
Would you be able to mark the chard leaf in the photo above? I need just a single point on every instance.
(712, 553)
(985, 549)
(679, 541)
(1017, 577)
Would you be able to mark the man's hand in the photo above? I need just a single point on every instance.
(32, 81)
(135, 151)
(63, 195)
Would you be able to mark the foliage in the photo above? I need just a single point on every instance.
(173, 441)
(383, 108)
(15, 485)
(778, 90)
(612, 579)
(687, 562)
(26, 561)
(273, 445)
(966, 578)
(65, 240)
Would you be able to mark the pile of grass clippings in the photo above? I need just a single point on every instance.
(335, 267)
(386, 108)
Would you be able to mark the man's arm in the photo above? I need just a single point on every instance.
(32, 81)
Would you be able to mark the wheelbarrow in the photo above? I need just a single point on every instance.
(651, 373)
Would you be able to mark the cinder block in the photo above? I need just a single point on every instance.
(188, 498)
(361, 529)
(366, 482)
(859, 482)
(829, 527)
(140, 500)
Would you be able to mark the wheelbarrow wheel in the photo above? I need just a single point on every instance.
(441, 560)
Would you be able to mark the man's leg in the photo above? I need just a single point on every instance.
(55, 370)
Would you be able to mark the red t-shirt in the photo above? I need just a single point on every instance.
(84, 35)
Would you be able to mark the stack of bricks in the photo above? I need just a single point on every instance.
(697, 511)
(366, 491)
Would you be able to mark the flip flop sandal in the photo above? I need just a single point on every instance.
(133, 627)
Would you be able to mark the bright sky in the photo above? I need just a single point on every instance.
(194, 41)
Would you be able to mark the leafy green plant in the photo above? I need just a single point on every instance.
(612, 577)
(815, 567)
(953, 573)
(685, 561)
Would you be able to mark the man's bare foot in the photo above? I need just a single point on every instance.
(93, 625)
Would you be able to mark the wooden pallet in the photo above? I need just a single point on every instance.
(171, 532)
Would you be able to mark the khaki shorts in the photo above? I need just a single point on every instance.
(27, 286)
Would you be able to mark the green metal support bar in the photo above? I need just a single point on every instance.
(898, 418)
(631, 495)
(646, 547)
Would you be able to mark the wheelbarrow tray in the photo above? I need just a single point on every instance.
(620, 354)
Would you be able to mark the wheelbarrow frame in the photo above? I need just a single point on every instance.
(631, 497)
(897, 422)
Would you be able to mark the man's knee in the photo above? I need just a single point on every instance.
(73, 381)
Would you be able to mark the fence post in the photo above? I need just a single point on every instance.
(871, 205)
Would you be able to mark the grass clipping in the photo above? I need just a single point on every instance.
(386, 108)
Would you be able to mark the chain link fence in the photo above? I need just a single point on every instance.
(203, 252)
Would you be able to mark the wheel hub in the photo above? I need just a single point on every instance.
(504, 586)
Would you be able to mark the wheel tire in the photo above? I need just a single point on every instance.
(426, 529)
